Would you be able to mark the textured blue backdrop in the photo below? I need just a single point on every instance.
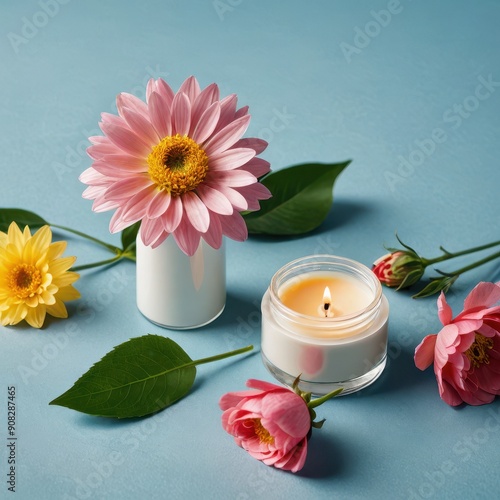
(409, 90)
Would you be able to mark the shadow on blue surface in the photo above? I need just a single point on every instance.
(326, 457)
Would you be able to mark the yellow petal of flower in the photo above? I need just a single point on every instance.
(36, 316)
(56, 250)
(68, 293)
(34, 278)
(59, 266)
(36, 247)
(66, 279)
(58, 310)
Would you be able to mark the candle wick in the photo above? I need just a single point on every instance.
(326, 306)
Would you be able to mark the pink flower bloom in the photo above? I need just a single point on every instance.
(178, 164)
(270, 422)
(466, 352)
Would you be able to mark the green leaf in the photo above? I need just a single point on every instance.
(129, 234)
(137, 378)
(21, 217)
(436, 285)
(302, 197)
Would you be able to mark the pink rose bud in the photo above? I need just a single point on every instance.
(399, 269)
(466, 352)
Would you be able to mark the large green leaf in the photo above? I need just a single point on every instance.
(302, 197)
(137, 378)
(21, 217)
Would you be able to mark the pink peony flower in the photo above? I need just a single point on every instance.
(178, 164)
(466, 352)
(270, 422)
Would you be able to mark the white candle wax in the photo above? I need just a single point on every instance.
(346, 348)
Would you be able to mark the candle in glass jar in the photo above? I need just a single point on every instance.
(323, 295)
(325, 318)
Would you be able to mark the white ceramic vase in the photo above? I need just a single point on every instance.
(177, 291)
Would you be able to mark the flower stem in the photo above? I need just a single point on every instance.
(472, 266)
(222, 356)
(449, 255)
(116, 258)
(316, 402)
(88, 237)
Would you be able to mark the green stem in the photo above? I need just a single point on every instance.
(449, 255)
(221, 356)
(116, 258)
(473, 265)
(88, 237)
(316, 402)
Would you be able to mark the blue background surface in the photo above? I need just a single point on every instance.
(320, 89)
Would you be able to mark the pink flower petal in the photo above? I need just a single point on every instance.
(241, 112)
(166, 93)
(234, 226)
(159, 112)
(228, 109)
(150, 230)
(424, 352)
(214, 200)
(191, 88)
(126, 140)
(172, 217)
(135, 207)
(444, 310)
(253, 194)
(159, 205)
(93, 177)
(186, 236)
(262, 385)
(181, 114)
(231, 159)
(161, 238)
(117, 223)
(127, 187)
(206, 124)
(141, 126)
(231, 178)
(226, 137)
(196, 211)
(98, 151)
(113, 120)
(484, 295)
(236, 199)
(213, 236)
(207, 97)
(233, 398)
(258, 145)
(257, 167)
(125, 100)
(124, 162)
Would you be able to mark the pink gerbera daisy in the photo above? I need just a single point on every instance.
(178, 164)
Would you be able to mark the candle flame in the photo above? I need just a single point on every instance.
(327, 300)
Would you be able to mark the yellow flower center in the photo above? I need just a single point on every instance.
(478, 351)
(177, 164)
(24, 280)
(261, 432)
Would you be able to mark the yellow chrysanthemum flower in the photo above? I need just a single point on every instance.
(34, 279)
